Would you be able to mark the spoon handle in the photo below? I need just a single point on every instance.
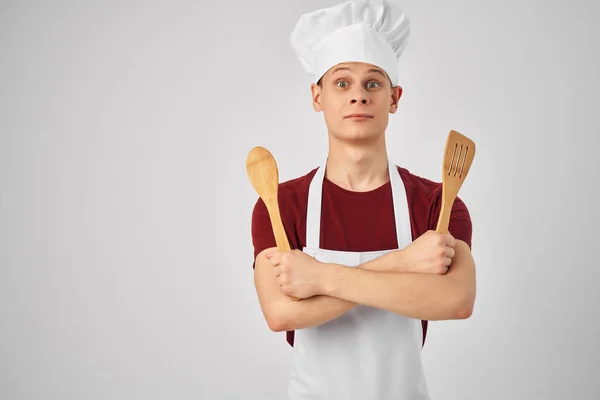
(278, 229)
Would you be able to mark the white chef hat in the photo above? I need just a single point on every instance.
(370, 31)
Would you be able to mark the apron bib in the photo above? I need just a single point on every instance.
(366, 353)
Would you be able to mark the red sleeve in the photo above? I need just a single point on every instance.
(262, 230)
(460, 220)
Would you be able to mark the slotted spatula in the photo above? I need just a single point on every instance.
(458, 157)
(264, 176)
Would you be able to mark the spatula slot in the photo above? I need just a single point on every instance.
(464, 160)
(452, 159)
(461, 159)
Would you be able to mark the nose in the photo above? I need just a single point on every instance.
(361, 96)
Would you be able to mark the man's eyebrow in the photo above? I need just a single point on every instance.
(380, 72)
(376, 70)
(341, 69)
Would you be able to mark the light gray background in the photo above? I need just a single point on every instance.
(125, 246)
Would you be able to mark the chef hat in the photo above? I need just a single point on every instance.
(369, 31)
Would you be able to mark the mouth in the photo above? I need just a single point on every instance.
(359, 116)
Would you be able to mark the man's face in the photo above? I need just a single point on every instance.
(356, 88)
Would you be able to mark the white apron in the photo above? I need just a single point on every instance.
(366, 353)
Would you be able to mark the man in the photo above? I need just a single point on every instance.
(367, 265)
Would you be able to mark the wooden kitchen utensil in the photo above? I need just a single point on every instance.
(458, 157)
(264, 176)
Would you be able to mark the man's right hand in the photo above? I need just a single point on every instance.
(430, 253)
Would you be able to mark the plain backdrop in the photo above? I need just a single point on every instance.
(125, 208)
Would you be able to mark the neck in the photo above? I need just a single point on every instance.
(357, 167)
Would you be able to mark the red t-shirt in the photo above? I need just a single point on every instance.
(357, 221)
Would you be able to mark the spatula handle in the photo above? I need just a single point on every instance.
(443, 220)
(448, 198)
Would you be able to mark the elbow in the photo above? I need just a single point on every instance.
(464, 308)
(463, 313)
(276, 321)
(276, 324)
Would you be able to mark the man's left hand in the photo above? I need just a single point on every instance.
(298, 274)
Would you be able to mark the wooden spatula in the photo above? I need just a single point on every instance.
(264, 176)
(458, 157)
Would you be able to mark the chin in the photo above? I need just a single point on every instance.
(357, 134)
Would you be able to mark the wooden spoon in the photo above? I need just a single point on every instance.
(264, 176)
(458, 157)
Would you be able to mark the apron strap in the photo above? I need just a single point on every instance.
(313, 212)
(401, 215)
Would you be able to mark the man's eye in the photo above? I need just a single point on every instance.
(372, 86)
(344, 83)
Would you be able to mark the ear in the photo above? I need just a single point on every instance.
(316, 97)
(396, 94)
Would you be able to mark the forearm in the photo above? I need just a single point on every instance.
(393, 261)
(310, 312)
(315, 310)
(420, 296)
